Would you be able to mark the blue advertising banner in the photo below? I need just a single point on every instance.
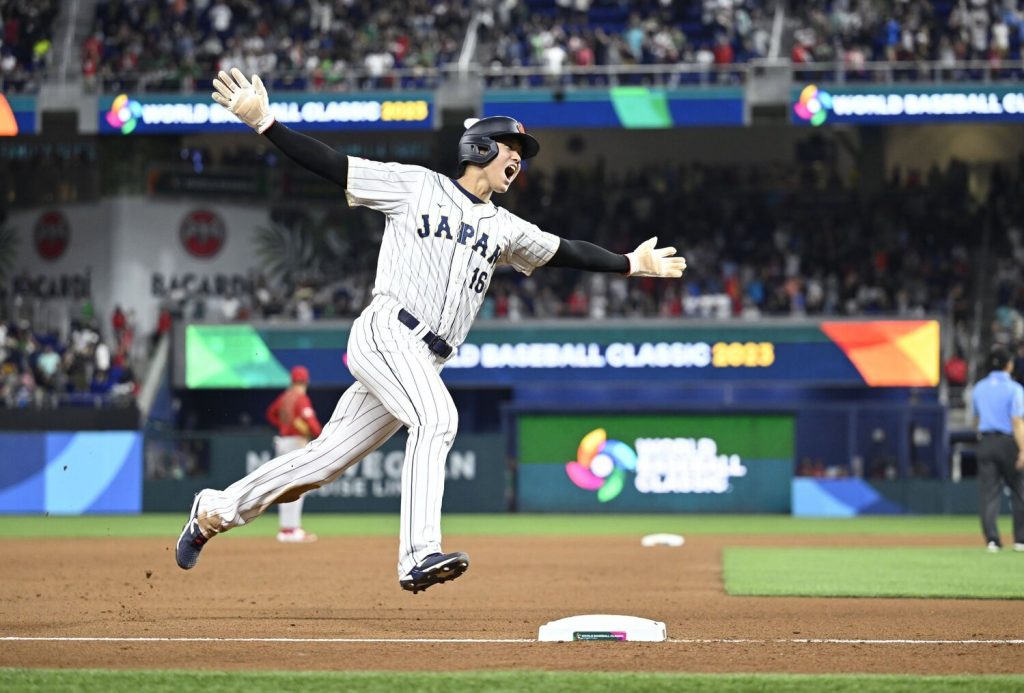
(826, 104)
(71, 473)
(17, 115)
(896, 353)
(625, 107)
(127, 114)
(815, 497)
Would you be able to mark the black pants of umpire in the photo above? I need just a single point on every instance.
(997, 464)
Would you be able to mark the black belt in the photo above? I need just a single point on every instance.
(993, 434)
(435, 343)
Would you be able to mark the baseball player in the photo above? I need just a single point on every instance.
(296, 423)
(443, 239)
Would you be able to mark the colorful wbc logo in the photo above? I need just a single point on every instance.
(814, 105)
(601, 465)
(124, 114)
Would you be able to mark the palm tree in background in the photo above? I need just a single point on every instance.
(287, 253)
(294, 249)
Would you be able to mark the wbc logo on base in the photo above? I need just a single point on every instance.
(601, 465)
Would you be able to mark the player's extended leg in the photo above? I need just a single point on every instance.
(290, 514)
(397, 366)
(359, 425)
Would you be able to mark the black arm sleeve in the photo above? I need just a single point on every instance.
(310, 153)
(587, 256)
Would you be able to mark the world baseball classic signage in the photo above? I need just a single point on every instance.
(131, 114)
(823, 104)
(654, 462)
(890, 353)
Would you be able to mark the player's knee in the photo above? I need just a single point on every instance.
(442, 422)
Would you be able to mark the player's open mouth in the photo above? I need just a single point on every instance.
(510, 171)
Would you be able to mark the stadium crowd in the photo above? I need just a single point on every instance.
(582, 34)
(346, 44)
(26, 42)
(50, 359)
(298, 44)
(324, 44)
(948, 32)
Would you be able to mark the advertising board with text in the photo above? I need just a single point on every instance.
(129, 114)
(896, 353)
(879, 104)
(654, 463)
(476, 476)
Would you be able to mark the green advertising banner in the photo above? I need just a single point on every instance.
(654, 463)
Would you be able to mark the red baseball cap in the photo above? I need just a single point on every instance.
(300, 374)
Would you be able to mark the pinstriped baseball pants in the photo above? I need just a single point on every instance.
(398, 383)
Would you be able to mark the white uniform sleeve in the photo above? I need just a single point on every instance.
(383, 187)
(529, 247)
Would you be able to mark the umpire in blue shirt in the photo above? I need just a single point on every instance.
(999, 407)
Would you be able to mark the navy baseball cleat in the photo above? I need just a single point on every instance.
(435, 569)
(191, 540)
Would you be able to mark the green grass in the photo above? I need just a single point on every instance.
(955, 573)
(511, 681)
(164, 525)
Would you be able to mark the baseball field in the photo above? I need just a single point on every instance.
(750, 603)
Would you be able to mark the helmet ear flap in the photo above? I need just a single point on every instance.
(478, 150)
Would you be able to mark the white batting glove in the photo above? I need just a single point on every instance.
(648, 261)
(249, 102)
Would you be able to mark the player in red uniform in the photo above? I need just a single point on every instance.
(296, 423)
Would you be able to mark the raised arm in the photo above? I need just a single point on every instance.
(309, 152)
(645, 261)
(249, 102)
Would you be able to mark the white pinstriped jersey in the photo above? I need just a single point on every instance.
(441, 244)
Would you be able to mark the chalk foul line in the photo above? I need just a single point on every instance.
(455, 641)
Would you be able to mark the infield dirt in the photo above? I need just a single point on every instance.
(247, 587)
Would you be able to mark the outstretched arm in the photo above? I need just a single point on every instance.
(587, 256)
(250, 102)
(309, 152)
(645, 261)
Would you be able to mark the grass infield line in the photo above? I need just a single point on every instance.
(677, 641)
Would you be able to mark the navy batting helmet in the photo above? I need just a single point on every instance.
(486, 132)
